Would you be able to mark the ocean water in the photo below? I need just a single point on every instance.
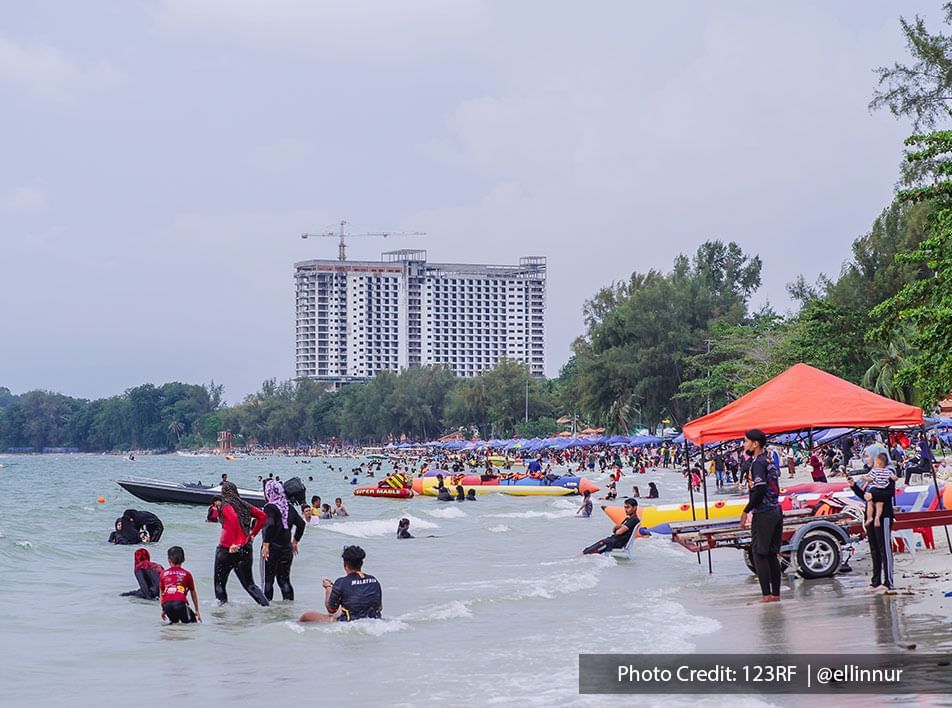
(490, 604)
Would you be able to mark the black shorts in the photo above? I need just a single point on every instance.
(766, 532)
(178, 612)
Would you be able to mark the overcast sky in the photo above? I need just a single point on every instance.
(160, 159)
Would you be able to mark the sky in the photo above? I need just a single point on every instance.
(159, 159)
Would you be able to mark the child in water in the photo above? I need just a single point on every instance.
(339, 510)
(326, 511)
(173, 585)
(403, 529)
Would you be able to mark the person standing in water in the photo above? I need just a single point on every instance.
(764, 516)
(240, 523)
(175, 583)
(585, 510)
(354, 596)
(278, 548)
(403, 528)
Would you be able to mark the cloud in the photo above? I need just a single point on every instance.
(358, 26)
(45, 72)
(23, 201)
(758, 132)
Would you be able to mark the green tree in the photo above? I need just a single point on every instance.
(921, 90)
(924, 307)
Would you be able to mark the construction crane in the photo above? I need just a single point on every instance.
(342, 246)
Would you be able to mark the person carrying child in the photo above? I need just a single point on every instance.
(878, 477)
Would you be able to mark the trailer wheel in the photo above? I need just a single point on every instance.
(818, 555)
(749, 561)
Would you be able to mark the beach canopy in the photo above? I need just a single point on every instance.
(802, 398)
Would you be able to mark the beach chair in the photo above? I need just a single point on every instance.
(625, 551)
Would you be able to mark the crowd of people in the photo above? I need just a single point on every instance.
(753, 466)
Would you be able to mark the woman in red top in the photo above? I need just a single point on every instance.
(240, 522)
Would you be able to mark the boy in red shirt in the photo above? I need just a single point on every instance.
(174, 584)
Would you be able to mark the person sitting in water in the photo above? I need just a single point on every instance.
(635, 492)
(214, 511)
(403, 528)
(621, 533)
(585, 510)
(354, 596)
(471, 495)
(149, 525)
(443, 494)
(460, 493)
(175, 583)
(147, 574)
(339, 510)
(326, 512)
(653, 491)
(125, 533)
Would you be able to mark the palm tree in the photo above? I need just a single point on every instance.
(176, 428)
(880, 377)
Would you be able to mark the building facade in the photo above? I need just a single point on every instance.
(357, 318)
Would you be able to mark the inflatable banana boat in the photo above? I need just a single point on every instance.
(384, 492)
(490, 484)
(657, 519)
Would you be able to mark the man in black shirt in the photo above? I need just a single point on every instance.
(356, 595)
(764, 516)
(621, 533)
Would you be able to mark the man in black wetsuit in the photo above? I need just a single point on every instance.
(880, 537)
(764, 516)
(621, 533)
(355, 596)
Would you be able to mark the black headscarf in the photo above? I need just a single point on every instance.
(229, 495)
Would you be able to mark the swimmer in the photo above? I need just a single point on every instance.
(147, 574)
(175, 582)
(471, 495)
(214, 511)
(339, 510)
(460, 493)
(326, 512)
(653, 491)
(443, 495)
(403, 529)
(585, 510)
(354, 596)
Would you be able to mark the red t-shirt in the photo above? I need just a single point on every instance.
(174, 584)
(231, 532)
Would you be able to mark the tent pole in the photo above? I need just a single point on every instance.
(935, 483)
(687, 458)
(710, 568)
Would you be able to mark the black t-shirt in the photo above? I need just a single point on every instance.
(630, 522)
(359, 596)
(764, 475)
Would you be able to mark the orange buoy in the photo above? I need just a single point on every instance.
(685, 507)
(101, 500)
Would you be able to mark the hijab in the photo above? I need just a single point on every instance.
(229, 495)
(274, 494)
(143, 561)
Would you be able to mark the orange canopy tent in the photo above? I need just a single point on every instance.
(801, 398)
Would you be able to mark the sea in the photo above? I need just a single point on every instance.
(490, 604)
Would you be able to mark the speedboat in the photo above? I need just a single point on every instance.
(161, 491)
